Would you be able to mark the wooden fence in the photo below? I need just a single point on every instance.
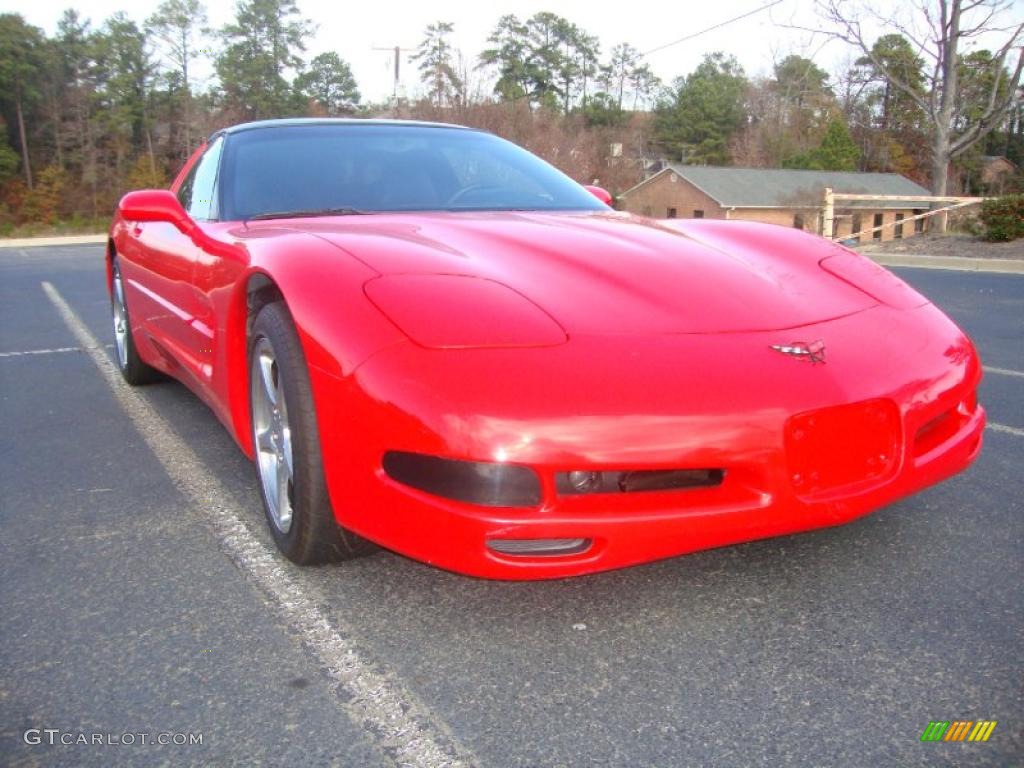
(913, 201)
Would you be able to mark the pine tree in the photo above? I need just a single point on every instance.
(20, 70)
(329, 82)
(261, 47)
(705, 109)
(434, 55)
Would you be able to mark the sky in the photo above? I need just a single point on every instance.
(354, 29)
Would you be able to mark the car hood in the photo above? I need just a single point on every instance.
(615, 273)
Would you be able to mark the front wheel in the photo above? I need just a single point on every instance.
(129, 363)
(287, 447)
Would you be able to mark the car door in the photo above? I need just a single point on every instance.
(162, 280)
(216, 270)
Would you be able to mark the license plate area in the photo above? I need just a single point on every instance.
(843, 447)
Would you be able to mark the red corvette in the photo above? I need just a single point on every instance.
(429, 339)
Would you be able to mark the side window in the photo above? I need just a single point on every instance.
(197, 193)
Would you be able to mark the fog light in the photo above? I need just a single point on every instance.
(578, 482)
(548, 547)
(584, 482)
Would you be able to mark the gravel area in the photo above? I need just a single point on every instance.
(952, 244)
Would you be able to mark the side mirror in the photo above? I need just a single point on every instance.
(600, 193)
(154, 205)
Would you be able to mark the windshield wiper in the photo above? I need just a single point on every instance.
(303, 214)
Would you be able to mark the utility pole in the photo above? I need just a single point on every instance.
(396, 51)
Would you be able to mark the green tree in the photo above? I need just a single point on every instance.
(603, 110)
(123, 70)
(804, 98)
(836, 152)
(507, 55)
(894, 108)
(8, 163)
(886, 122)
(260, 47)
(178, 25)
(20, 68)
(699, 116)
(547, 59)
(801, 82)
(434, 55)
(979, 76)
(977, 79)
(329, 82)
(547, 67)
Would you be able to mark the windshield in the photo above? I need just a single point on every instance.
(384, 168)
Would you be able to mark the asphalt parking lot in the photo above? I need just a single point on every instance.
(130, 607)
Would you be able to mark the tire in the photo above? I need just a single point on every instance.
(286, 444)
(134, 371)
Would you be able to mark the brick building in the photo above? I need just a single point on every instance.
(792, 198)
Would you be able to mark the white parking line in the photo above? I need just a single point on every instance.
(54, 351)
(1002, 371)
(58, 240)
(401, 726)
(40, 351)
(1005, 429)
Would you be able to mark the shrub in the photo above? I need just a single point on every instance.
(145, 174)
(42, 202)
(1003, 218)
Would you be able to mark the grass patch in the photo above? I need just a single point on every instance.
(75, 226)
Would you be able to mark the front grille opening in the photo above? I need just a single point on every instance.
(932, 425)
(581, 482)
(935, 432)
(539, 547)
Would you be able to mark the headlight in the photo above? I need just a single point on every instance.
(462, 312)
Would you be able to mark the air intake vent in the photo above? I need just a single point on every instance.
(539, 547)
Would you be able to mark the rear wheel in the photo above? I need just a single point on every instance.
(287, 447)
(129, 363)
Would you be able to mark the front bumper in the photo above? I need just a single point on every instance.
(802, 446)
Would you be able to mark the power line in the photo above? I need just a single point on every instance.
(711, 28)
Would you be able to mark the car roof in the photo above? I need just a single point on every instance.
(308, 121)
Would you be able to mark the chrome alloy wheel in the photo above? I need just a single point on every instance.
(272, 434)
(120, 320)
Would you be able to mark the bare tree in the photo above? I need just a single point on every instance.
(940, 30)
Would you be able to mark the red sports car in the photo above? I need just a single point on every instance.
(429, 339)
